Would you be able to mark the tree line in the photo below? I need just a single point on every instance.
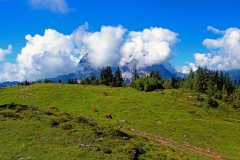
(215, 84)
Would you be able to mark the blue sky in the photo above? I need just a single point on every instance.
(201, 32)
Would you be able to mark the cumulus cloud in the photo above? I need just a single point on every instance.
(102, 47)
(4, 52)
(58, 6)
(47, 56)
(54, 53)
(224, 51)
(148, 47)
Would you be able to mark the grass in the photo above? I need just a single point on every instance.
(64, 115)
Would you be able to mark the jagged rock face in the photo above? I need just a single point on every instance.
(84, 69)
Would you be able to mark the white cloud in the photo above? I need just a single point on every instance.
(102, 47)
(47, 56)
(127, 75)
(224, 51)
(215, 30)
(4, 52)
(151, 46)
(58, 6)
(54, 53)
(10, 72)
(186, 69)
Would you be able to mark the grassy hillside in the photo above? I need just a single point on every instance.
(55, 121)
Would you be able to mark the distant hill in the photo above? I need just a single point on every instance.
(8, 84)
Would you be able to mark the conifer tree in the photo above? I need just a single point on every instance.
(118, 80)
(229, 85)
(200, 80)
(136, 75)
(106, 76)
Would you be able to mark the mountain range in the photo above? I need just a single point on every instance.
(84, 69)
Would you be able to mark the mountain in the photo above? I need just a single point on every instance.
(3, 84)
(84, 70)
(234, 74)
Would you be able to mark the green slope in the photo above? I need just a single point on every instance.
(173, 115)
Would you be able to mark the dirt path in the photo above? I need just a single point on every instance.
(185, 147)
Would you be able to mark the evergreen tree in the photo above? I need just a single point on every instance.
(224, 94)
(70, 81)
(151, 75)
(229, 85)
(106, 76)
(157, 75)
(189, 83)
(92, 79)
(118, 80)
(26, 83)
(200, 80)
(75, 81)
(136, 75)
(87, 81)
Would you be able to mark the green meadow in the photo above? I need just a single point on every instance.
(56, 121)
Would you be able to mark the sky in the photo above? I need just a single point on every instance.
(47, 38)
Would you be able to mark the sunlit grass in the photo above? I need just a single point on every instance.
(169, 113)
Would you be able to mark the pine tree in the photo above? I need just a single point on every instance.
(87, 81)
(200, 81)
(118, 80)
(221, 80)
(189, 83)
(92, 79)
(136, 75)
(106, 76)
(229, 85)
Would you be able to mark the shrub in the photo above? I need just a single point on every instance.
(212, 103)
(54, 122)
(80, 119)
(66, 126)
(11, 114)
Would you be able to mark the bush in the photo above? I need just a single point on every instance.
(66, 126)
(11, 114)
(212, 103)
(80, 119)
(54, 122)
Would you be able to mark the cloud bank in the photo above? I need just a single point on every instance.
(224, 51)
(57, 6)
(54, 53)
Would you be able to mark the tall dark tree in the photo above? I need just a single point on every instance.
(189, 83)
(136, 75)
(106, 76)
(92, 79)
(200, 80)
(118, 80)
(70, 81)
(87, 81)
(229, 85)
(151, 74)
